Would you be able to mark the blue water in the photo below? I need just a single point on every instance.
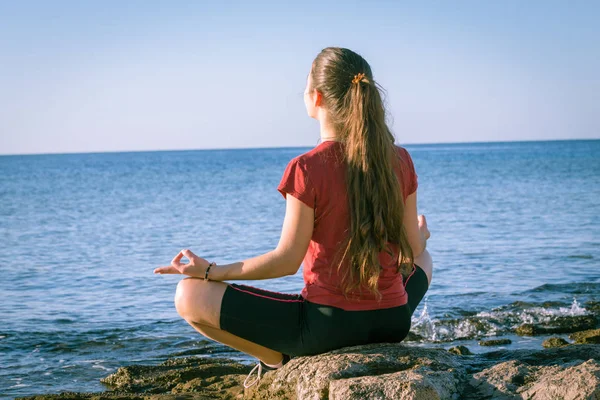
(80, 235)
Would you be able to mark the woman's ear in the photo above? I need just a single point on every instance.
(318, 98)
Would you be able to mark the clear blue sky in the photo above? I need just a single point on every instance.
(148, 75)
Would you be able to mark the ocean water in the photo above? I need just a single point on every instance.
(515, 238)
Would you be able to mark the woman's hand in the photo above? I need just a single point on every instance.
(423, 226)
(196, 267)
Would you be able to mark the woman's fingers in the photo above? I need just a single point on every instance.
(176, 260)
(188, 254)
(169, 269)
(176, 266)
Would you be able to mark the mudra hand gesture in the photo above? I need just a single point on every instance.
(196, 267)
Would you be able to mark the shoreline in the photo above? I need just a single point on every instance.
(357, 371)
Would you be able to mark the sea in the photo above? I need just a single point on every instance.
(515, 238)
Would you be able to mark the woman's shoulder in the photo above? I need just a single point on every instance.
(321, 154)
(403, 154)
(401, 150)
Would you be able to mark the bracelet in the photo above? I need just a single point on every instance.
(208, 269)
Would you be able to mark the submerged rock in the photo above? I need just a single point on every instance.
(593, 306)
(460, 350)
(586, 337)
(495, 342)
(554, 342)
(563, 324)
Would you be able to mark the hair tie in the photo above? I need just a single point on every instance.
(358, 77)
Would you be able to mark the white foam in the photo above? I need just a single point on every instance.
(487, 323)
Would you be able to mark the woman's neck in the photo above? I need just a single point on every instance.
(327, 132)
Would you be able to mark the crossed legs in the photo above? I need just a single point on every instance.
(199, 303)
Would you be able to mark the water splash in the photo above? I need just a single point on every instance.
(424, 325)
(576, 309)
(497, 321)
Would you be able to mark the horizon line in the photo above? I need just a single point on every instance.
(290, 147)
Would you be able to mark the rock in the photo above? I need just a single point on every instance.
(556, 356)
(591, 336)
(577, 382)
(376, 371)
(495, 342)
(460, 350)
(563, 324)
(554, 342)
(500, 381)
(593, 306)
(367, 372)
(515, 379)
(210, 376)
(418, 383)
(525, 330)
(385, 370)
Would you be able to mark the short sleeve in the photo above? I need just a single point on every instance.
(414, 181)
(410, 179)
(295, 181)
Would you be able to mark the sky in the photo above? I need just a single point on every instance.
(182, 75)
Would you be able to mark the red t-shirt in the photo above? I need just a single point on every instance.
(318, 179)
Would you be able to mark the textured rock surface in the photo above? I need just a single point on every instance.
(554, 342)
(515, 380)
(586, 337)
(180, 378)
(417, 383)
(500, 381)
(577, 382)
(378, 371)
(562, 324)
(460, 350)
(495, 342)
(386, 370)
(220, 377)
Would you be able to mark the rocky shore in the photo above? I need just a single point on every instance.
(561, 370)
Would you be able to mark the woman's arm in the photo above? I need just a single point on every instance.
(266, 266)
(285, 259)
(415, 229)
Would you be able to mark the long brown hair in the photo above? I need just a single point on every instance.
(355, 108)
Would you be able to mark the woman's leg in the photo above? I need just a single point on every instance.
(418, 282)
(199, 303)
(426, 263)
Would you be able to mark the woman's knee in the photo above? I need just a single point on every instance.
(425, 261)
(187, 290)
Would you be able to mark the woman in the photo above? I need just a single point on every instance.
(351, 219)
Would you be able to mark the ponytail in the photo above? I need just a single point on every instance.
(375, 196)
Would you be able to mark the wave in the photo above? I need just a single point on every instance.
(496, 322)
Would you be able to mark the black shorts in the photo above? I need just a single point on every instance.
(292, 325)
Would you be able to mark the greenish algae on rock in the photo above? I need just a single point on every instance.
(495, 342)
(460, 350)
(591, 336)
(554, 342)
(562, 324)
